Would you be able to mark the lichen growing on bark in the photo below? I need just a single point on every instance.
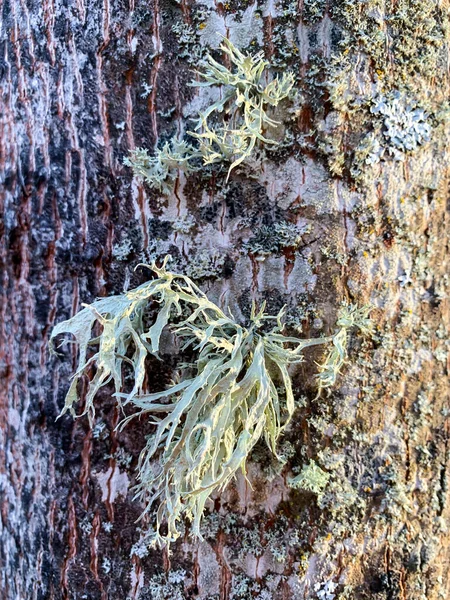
(237, 389)
(230, 128)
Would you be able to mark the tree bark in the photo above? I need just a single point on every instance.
(82, 83)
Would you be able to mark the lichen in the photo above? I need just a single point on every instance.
(187, 35)
(237, 390)
(311, 479)
(313, 10)
(406, 127)
(217, 137)
(163, 586)
(123, 250)
(184, 224)
(407, 37)
(326, 591)
(352, 316)
(272, 239)
(160, 170)
(206, 263)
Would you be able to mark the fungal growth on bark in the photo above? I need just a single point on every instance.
(236, 390)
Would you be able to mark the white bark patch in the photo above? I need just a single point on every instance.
(256, 567)
(270, 9)
(204, 97)
(14, 418)
(344, 198)
(209, 573)
(240, 33)
(259, 566)
(270, 273)
(303, 42)
(306, 183)
(301, 277)
(113, 483)
(421, 356)
(392, 435)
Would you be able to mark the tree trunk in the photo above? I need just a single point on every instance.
(83, 83)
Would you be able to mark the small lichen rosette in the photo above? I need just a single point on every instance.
(236, 391)
(406, 127)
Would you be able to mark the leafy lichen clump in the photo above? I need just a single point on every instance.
(237, 390)
(405, 127)
(274, 238)
(230, 128)
(206, 262)
(312, 479)
(160, 170)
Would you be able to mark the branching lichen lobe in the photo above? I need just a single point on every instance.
(240, 389)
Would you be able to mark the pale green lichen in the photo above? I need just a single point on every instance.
(206, 263)
(230, 128)
(350, 316)
(245, 99)
(406, 127)
(311, 479)
(236, 390)
(161, 169)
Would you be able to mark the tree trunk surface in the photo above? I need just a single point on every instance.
(83, 82)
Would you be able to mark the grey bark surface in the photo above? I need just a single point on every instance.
(82, 83)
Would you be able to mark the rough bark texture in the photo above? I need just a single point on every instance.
(85, 81)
